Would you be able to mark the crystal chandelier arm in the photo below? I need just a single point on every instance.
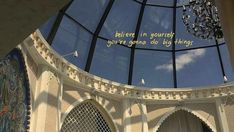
(206, 24)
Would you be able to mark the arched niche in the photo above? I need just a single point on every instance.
(87, 116)
(183, 120)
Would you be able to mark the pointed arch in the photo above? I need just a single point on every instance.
(89, 102)
(196, 114)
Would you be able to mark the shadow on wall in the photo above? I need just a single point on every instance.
(15, 99)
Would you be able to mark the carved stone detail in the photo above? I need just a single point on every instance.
(62, 66)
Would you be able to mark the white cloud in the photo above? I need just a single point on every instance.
(183, 60)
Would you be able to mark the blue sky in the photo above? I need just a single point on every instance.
(194, 66)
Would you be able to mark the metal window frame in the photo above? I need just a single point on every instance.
(96, 36)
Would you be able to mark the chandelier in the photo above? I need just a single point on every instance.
(201, 19)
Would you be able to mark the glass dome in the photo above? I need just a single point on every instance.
(137, 42)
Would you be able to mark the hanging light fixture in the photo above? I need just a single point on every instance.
(74, 53)
(201, 19)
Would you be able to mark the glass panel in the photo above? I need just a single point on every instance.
(122, 18)
(182, 2)
(157, 24)
(154, 67)
(71, 37)
(46, 27)
(221, 41)
(186, 40)
(226, 63)
(139, 0)
(200, 67)
(161, 2)
(111, 63)
(87, 12)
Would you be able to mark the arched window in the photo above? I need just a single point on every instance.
(86, 117)
(183, 121)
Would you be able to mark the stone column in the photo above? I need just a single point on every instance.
(144, 117)
(60, 103)
(47, 102)
(221, 116)
(53, 103)
(126, 116)
(40, 103)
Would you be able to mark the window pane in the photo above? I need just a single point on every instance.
(200, 67)
(111, 63)
(122, 18)
(71, 37)
(226, 63)
(87, 12)
(157, 23)
(154, 67)
(46, 27)
(182, 2)
(139, 1)
(161, 2)
(182, 34)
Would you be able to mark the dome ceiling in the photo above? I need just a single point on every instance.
(137, 42)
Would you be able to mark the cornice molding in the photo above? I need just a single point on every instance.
(69, 71)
